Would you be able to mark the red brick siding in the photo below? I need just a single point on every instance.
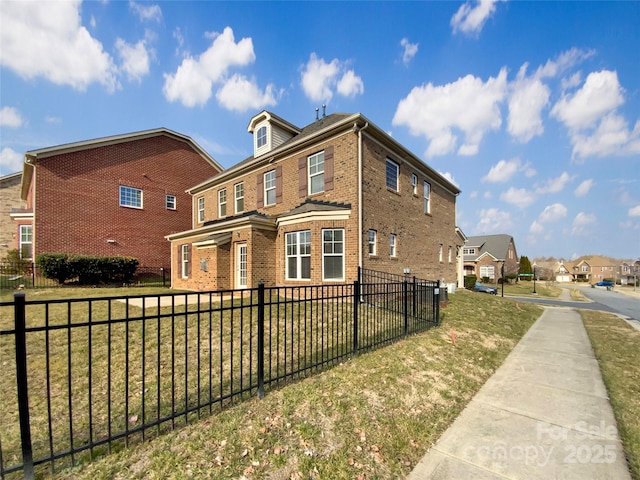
(77, 199)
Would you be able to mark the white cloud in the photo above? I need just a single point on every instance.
(528, 97)
(147, 12)
(468, 104)
(350, 85)
(135, 59)
(473, 194)
(410, 50)
(635, 211)
(612, 137)
(10, 117)
(53, 120)
(470, 20)
(520, 197)
(487, 195)
(600, 94)
(493, 220)
(580, 223)
(554, 185)
(449, 176)
(46, 39)
(240, 94)
(552, 213)
(193, 81)
(10, 161)
(502, 171)
(536, 227)
(564, 62)
(583, 188)
(319, 79)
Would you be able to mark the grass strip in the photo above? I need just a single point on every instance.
(616, 345)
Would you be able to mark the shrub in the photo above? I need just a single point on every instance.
(13, 264)
(86, 269)
(470, 281)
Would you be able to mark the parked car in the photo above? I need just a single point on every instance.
(604, 283)
(485, 289)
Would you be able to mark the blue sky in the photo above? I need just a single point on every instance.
(531, 108)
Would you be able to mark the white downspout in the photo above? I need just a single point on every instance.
(355, 126)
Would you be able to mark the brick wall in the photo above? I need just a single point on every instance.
(9, 198)
(77, 199)
(418, 235)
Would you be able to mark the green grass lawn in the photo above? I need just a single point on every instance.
(616, 345)
(373, 416)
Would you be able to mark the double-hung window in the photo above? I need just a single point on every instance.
(26, 241)
(449, 254)
(130, 197)
(440, 253)
(393, 246)
(393, 172)
(414, 184)
(222, 203)
(427, 198)
(316, 173)
(261, 137)
(184, 259)
(201, 209)
(270, 188)
(333, 254)
(239, 192)
(299, 255)
(372, 242)
(170, 202)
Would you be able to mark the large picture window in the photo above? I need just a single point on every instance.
(393, 172)
(316, 173)
(270, 188)
(130, 197)
(487, 271)
(333, 254)
(299, 255)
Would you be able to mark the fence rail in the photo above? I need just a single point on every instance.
(23, 275)
(84, 377)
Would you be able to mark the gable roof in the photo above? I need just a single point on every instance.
(494, 245)
(314, 132)
(32, 157)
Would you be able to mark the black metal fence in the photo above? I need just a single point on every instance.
(85, 377)
(24, 275)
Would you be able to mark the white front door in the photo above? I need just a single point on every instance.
(241, 266)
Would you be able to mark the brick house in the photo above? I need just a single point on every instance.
(10, 205)
(314, 203)
(116, 195)
(485, 255)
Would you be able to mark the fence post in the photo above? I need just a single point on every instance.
(260, 353)
(415, 297)
(356, 308)
(21, 378)
(405, 305)
(162, 270)
(33, 274)
(436, 303)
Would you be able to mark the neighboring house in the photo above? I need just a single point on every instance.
(592, 268)
(9, 202)
(116, 195)
(485, 255)
(629, 273)
(313, 204)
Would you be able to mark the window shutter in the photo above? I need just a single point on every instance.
(328, 168)
(279, 184)
(260, 190)
(302, 176)
(189, 260)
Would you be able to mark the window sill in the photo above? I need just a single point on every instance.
(391, 190)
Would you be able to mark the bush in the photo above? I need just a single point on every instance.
(13, 264)
(470, 281)
(86, 269)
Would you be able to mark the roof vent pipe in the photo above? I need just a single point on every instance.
(324, 110)
(317, 113)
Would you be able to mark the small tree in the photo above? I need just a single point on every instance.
(525, 266)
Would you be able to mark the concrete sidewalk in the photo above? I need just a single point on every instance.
(544, 414)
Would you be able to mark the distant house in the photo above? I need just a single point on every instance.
(485, 255)
(116, 195)
(592, 268)
(629, 273)
(10, 202)
(314, 203)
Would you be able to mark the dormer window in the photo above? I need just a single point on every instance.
(261, 137)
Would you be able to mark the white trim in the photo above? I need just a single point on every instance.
(344, 243)
(313, 217)
(222, 227)
(223, 239)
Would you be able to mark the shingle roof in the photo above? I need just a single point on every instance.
(317, 206)
(495, 245)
